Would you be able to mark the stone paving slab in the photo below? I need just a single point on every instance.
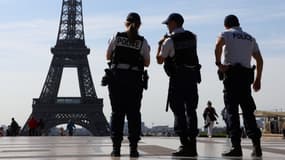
(150, 148)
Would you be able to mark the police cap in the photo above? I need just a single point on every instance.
(176, 17)
(133, 18)
(231, 21)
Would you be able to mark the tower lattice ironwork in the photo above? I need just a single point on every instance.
(70, 51)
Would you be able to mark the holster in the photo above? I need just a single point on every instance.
(198, 73)
(107, 78)
(169, 68)
(239, 70)
(145, 78)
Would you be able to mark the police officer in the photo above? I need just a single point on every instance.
(178, 53)
(129, 54)
(238, 77)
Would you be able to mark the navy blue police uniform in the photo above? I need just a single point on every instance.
(126, 89)
(126, 78)
(181, 64)
(183, 89)
(237, 80)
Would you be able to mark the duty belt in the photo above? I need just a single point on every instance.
(190, 67)
(124, 66)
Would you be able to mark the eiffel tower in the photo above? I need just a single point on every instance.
(70, 51)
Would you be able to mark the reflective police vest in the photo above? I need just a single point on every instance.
(127, 52)
(185, 52)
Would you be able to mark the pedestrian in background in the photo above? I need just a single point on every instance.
(210, 116)
(41, 126)
(14, 128)
(283, 130)
(33, 124)
(70, 127)
(2, 132)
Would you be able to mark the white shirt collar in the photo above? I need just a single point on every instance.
(236, 28)
(177, 30)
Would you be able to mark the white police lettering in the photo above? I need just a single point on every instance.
(124, 42)
(242, 36)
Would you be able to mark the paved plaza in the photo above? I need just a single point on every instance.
(150, 148)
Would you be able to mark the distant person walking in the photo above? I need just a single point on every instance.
(210, 116)
(33, 124)
(14, 128)
(41, 126)
(70, 127)
(2, 132)
(283, 130)
(61, 131)
(238, 76)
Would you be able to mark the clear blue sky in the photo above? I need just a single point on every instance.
(29, 28)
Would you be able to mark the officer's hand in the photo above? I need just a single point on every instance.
(162, 40)
(256, 85)
(159, 59)
(223, 68)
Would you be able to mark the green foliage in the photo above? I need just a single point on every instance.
(219, 134)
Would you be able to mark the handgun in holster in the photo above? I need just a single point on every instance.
(107, 78)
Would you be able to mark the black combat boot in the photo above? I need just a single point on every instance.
(192, 147)
(256, 152)
(116, 150)
(181, 151)
(234, 152)
(134, 150)
(187, 148)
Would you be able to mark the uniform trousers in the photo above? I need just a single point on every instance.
(237, 92)
(125, 93)
(183, 98)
